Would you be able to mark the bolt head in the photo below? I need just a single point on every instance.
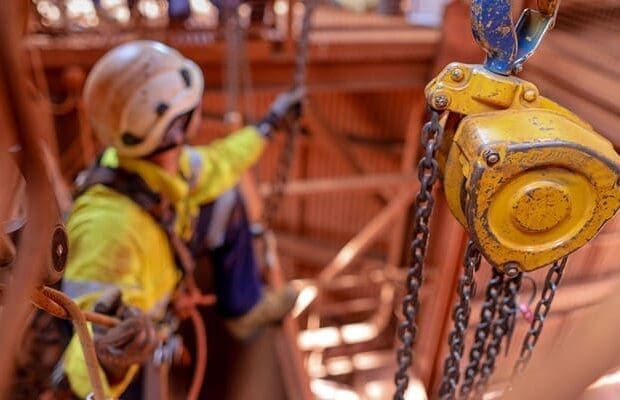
(530, 95)
(457, 74)
(491, 157)
(512, 269)
(518, 68)
(441, 101)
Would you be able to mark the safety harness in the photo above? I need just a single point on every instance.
(187, 295)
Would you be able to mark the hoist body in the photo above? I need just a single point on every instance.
(529, 180)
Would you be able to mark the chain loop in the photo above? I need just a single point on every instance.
(500, 329)
(552, 281)
(285, 160)
(483, 330)
(431, 137)
(466, 289)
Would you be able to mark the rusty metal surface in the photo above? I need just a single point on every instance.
(493, 29)
(21, 128)
(509, 45)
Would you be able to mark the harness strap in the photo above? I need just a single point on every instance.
(135, 188)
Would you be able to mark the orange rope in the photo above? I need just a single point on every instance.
(88, 347)
(201, 354)
(60, 305)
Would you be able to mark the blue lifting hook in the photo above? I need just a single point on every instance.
(507, 46)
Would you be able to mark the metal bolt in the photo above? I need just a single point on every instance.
(491, 157)
(512, 269)
(457, 74)
(518, 68)
(441, 101)
(530, 95)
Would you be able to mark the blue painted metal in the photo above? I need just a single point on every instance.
(492, 26)
(507, 47)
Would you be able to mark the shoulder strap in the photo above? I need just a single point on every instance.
(124, 182)
(133, 186)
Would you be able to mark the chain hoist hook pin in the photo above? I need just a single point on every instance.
(512, 269)
(491, 157)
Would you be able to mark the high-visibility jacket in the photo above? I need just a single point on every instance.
(114, 242)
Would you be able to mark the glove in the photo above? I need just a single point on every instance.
(286, 107)
(131, 342)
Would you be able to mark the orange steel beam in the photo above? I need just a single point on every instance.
(586, 353)
(353, 249)
(444, 255)
(343, 184)
(338, 146)
(408, 161)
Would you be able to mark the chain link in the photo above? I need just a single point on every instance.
(282, 172)
(428, 173)
(466, 289)
(483, 330)
(233, 50)
(552, 281)
(500, 329)
(285, 160)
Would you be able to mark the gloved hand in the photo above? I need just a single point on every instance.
(286, 107)
(131, 342)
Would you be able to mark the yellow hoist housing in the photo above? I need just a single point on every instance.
(529, 180)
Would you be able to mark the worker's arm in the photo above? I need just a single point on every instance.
(218, 166)
(105, 254)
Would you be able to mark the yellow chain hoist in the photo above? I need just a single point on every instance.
(529, 180)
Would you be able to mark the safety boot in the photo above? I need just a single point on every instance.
(272, 307)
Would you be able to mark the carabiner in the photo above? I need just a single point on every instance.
(508, 47)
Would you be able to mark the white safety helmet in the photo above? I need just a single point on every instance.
(136, 90)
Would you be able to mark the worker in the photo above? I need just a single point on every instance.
(150, 197)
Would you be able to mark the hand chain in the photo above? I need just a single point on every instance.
(552, 281)
(466, 290)
(501, 328)
(428, 173)
(283, 168)
(233, 49)
(483, 330)
(285, 160)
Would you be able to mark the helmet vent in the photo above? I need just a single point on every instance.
(161, 108)
(186, 77)
(130, 139)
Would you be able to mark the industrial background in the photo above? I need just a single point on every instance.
(344, 222)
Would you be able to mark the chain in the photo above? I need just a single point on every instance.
(282, 171)
(286, 157)
(428, 173)
(233, 51)
(483, 330)
(500, 329)
(552, 281)
(301, 59)
(466, 289)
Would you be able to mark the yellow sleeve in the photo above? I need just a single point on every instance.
(222, 162)
(113, 243)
